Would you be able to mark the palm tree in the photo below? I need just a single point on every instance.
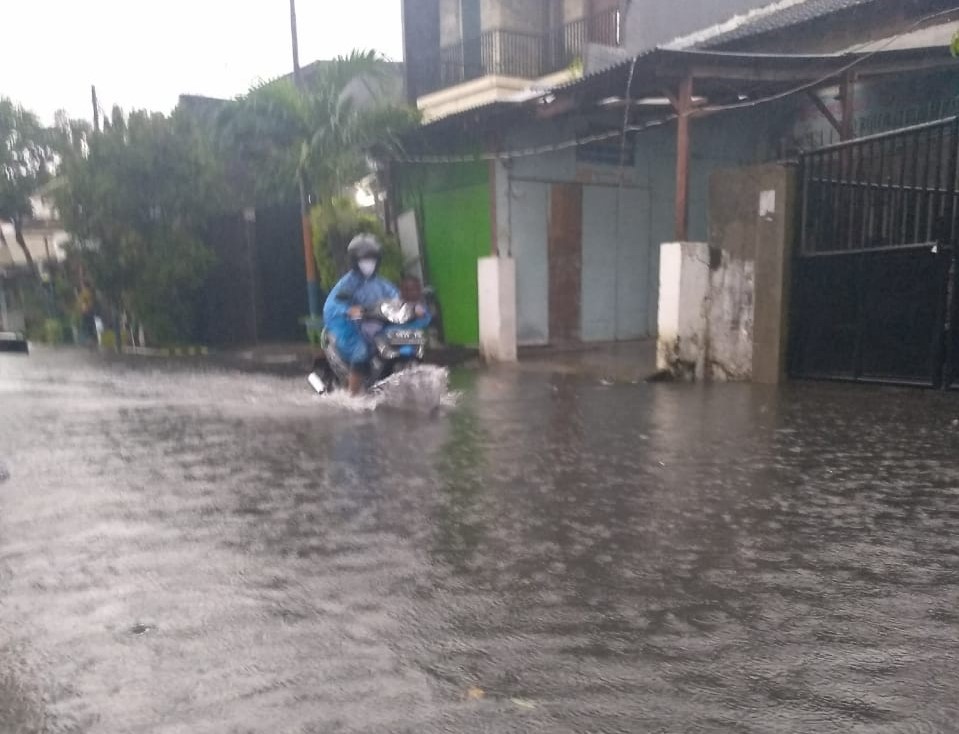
(312, 141)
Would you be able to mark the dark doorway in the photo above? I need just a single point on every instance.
(565, 247)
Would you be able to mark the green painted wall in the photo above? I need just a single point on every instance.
(453, 202)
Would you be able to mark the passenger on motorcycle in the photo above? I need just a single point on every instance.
(358, 290)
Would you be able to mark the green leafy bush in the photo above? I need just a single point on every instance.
(51, 331)
(336, 223)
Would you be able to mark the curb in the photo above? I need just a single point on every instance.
(166, 352)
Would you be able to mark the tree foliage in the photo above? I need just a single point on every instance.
(318, 134)
(138, 198)
(26, 157)
(318, 137)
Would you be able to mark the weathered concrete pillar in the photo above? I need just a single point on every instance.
(683, 308)
(750, 229)
(773, 256)
(497, 308)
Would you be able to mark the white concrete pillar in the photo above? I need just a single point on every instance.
(497, 308)
(683, 308)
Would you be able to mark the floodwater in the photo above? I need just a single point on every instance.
(190, 551)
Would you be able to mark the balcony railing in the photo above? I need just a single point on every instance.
(521, 54)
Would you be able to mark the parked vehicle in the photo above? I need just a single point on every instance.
(13, 341)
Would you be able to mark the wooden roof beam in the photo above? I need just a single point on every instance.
(826, 112)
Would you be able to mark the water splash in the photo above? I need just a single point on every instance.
(420, 389)
(342, 400)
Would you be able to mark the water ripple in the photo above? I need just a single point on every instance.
(204, 551)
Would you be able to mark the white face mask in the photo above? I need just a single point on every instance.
(367, 266)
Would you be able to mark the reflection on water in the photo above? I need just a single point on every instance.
(199, 551)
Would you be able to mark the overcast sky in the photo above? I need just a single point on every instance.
(144, 53)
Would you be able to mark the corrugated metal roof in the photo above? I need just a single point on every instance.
(773, 17)
(477, 111)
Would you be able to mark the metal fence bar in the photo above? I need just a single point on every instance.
(868, 174)
(879, 223)
(836, 200)
(900, 133)
(922, 196)
(887, 189)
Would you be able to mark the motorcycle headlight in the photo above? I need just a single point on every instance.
(395, 312)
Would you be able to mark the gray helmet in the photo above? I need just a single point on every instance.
(362, 247)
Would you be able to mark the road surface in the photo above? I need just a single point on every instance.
(191, 551)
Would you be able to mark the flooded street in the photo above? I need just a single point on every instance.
(196, 551)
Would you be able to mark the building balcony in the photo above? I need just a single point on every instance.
(508, 56)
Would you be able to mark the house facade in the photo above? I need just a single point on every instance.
(550, 182)
(491, 55)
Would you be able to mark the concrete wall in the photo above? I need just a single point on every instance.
(574, 9)
(518, 15)
(514, 15)
(723, 305)
(842, 30)
(650, 23)
(451, 28)
(421, 42)
(530, 15)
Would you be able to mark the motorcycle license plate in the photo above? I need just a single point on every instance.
(406, 337)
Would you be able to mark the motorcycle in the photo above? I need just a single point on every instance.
(398, 336)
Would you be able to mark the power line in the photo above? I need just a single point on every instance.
(660, 122)
(830, 75)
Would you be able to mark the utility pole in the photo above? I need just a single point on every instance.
(249, 220)
(96, 108)
(297, 77)
(312, 287)
(4, 319)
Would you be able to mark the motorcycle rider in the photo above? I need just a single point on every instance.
(359, 289)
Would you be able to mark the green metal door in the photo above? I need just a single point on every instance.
(456, 227)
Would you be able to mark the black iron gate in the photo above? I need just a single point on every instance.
(875, 272)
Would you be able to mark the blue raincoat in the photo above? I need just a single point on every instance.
(354, 290)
